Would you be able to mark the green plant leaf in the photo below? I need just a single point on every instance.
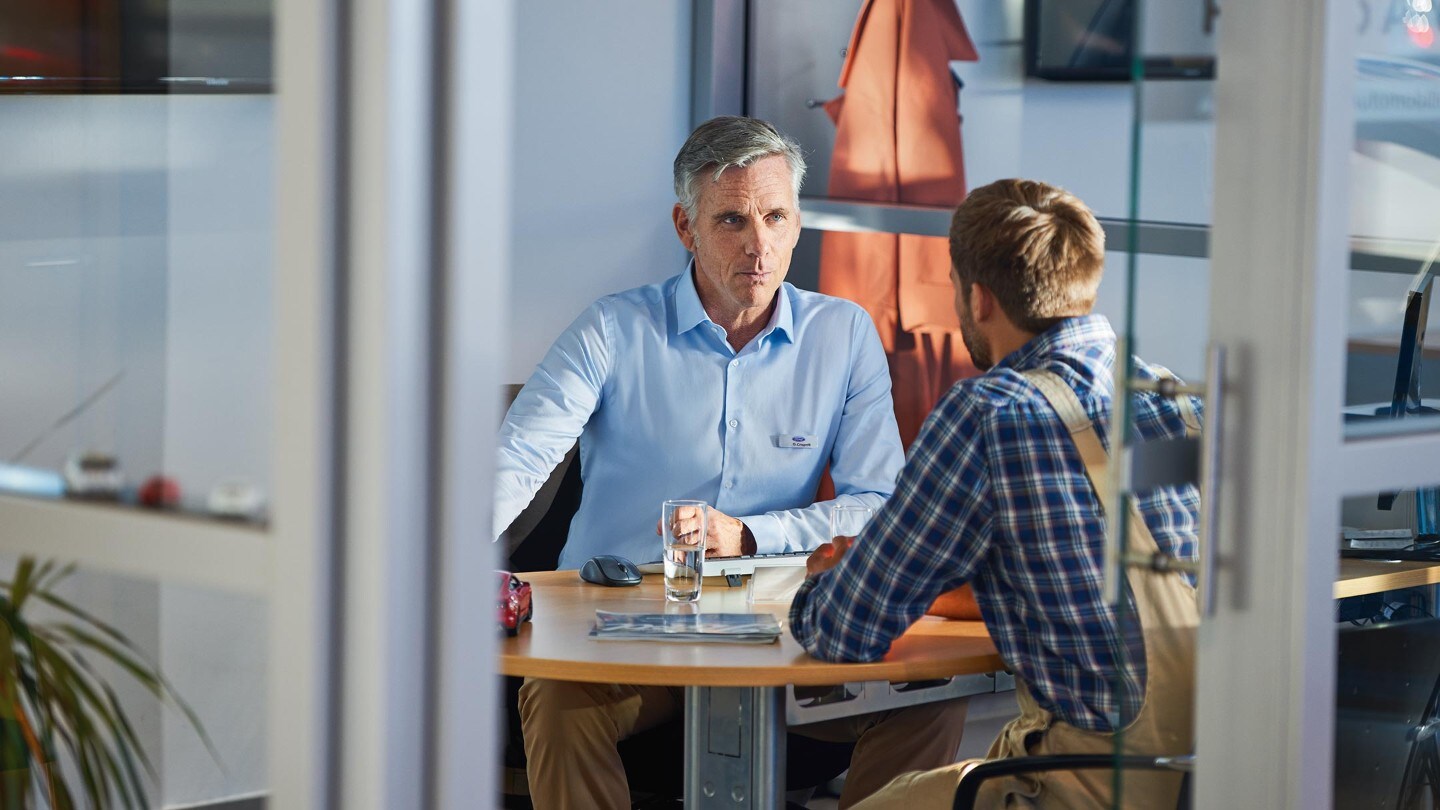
(86, 618)
(52, 700)
(113, 714)
(146, 675)
(94, 693)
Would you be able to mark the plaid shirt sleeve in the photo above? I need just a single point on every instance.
(928, 538)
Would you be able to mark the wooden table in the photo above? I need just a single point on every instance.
(735, 700)
(1359, 577)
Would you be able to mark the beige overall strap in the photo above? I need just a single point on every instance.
(1186, 404)
(1082, 430)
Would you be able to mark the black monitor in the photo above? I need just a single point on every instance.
(1405, 401)
(1406, 397)
(1094, 40)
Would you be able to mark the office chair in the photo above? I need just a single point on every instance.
(969, 788)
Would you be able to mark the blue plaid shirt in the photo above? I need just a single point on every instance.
(994, 493)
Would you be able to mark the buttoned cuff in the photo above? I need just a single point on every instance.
(769, 535)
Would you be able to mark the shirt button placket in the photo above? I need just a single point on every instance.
(732, 422)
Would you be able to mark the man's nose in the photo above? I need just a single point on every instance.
(757, 241)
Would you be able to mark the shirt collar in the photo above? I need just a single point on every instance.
(1065, 337)
(690, 313)
(782, 320)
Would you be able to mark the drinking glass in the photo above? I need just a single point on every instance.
(684, 524)
(847, 520)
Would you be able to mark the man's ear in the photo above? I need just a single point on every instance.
(683, 227)
(983, 305)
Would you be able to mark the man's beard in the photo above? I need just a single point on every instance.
(975, 343)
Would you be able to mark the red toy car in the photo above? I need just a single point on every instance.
(515, 604)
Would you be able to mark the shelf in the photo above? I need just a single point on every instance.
(1401, 256)
(124, 540)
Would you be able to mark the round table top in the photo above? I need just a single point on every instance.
(556, 643)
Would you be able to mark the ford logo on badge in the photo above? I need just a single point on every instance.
(797, 438)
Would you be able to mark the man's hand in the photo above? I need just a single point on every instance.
(725, 536)
(827, 556)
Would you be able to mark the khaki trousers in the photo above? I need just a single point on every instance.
(572, 729)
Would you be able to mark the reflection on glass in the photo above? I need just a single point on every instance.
(135, 256)
(209, 647)
(1388, 649)
(1404, 399)
(136, 46)
(1395, 182)
(1392, 525)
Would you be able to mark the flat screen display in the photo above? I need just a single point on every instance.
(1095, 40)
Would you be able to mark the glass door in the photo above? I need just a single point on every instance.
(1321, 231)
(137, 279)
(1157, 295)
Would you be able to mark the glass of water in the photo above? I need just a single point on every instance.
(846, 520)
(684, 524)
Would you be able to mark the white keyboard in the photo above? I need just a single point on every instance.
(1378, 538)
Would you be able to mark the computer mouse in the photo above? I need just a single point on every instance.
(607, 569)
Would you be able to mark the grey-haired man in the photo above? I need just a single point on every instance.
(722, 384)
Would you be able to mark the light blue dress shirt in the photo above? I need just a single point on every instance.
(665, 408)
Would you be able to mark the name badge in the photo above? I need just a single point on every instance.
(797, 440)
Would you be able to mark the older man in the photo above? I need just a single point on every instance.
(1000, 491)
(723, 384)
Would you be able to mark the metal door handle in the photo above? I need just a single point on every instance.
(1115, 556)
(1206, 536)
(1112, 502)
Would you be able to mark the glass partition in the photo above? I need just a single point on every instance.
(1159, 531)
(1387, 650)
(136, 255)
(204, 740)
(1394, 192)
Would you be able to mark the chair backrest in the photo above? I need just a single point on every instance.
(534, 539)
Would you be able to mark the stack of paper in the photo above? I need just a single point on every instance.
(748, 628)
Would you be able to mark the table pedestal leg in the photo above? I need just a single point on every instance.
(734, 747)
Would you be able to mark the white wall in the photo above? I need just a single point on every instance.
(219, 327)
(602, 106)
(219, 258)
(82, 276)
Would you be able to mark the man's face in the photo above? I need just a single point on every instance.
(975, 342)
(743, 232)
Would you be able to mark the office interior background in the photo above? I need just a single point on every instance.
(295, 293)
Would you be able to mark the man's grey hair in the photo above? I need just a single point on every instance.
(731, 141)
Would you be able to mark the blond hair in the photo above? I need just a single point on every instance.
(1036, 247)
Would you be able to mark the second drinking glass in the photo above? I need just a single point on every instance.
(847, 520)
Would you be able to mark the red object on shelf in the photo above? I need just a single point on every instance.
(159, 492)
(514, 606)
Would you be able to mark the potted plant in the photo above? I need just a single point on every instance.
(53, 701)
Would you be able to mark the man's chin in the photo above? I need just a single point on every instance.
(979, 350)
(756, 293)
